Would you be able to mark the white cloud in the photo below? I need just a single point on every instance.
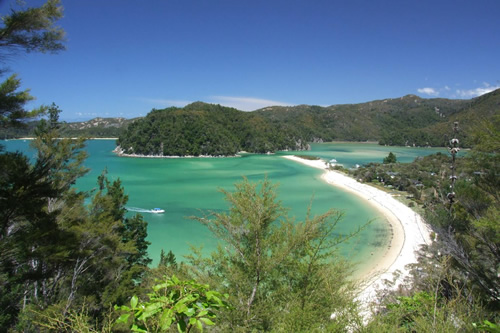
(245, 103)
(447, 92)
(86, 114)
(428, 91)
(462, 93)
(240, 103)
(159, 102)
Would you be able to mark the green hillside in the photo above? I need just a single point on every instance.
(403, 121)
(207, 129)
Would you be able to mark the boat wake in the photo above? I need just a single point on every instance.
(138, 210)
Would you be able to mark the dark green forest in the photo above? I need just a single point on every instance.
(206, 129)
(71, 261)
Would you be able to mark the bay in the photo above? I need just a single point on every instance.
(187, 187)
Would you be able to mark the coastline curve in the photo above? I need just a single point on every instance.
(410, 232)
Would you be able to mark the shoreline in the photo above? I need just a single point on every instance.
(119, 152)
(409, 232)
(30, 138)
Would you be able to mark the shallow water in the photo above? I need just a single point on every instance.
(189, 187)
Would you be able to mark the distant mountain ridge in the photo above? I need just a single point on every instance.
(97, 127)
(399, 121)
(207, 129)
(94, 128)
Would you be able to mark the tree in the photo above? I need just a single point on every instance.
(458, 272)
(26, 229)
(168, 259)
(12, 102)
(110, 257)
(58, 254)
(280, 274)
(33, 199)
(468, 227)
(391, 158)
(434, 299)
(28, 30)
(32, 29)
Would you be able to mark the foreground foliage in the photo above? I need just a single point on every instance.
(280, 274)
(182, 304)
(57, 252)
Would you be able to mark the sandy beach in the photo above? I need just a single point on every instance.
(409, 231)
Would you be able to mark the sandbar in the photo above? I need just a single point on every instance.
(409, 232)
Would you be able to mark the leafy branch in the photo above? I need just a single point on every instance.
(185, 304)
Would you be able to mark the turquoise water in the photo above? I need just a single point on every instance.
(350, 154)
(189, 187)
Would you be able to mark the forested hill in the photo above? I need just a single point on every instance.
(207, 129)
(409, 120)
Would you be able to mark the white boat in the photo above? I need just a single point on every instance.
(333, 161)
(157, 211)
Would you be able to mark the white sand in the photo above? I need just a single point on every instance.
(409, 232)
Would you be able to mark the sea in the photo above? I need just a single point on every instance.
(191, 187)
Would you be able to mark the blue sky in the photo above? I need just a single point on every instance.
(125, 57)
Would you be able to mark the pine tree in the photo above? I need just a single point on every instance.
(26, 30)
(391, 158)
(280, 274)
